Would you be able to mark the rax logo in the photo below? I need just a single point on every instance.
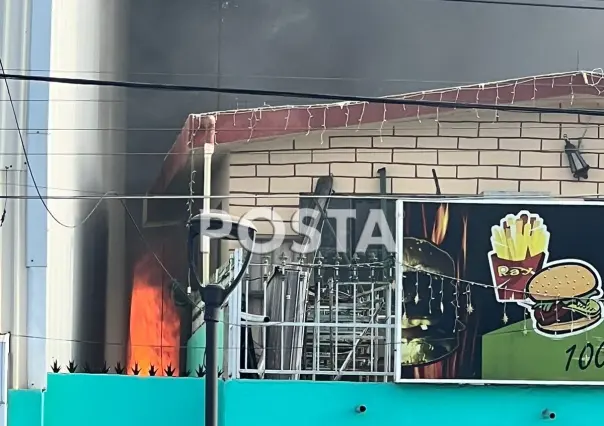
(505, 271)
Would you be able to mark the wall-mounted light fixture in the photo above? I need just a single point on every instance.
(576, 162)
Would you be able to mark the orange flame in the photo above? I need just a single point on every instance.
(154, 322)
(441, 222)
(424, 221)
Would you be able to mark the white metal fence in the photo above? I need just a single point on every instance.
(325, 319)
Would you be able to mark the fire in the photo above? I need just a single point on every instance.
(464, 241)
(441, 222)
(154, 322)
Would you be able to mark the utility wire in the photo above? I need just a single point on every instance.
(256, 77)
(29, 169)
(175, 283)
(408, 196)
(442, 123)
(526, 4)
(301, 95)
(252, 325)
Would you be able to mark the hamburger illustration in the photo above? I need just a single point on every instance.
(564, 298)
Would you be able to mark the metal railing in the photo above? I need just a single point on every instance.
(329, 319)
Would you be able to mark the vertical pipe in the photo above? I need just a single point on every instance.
(209, 123)
(208, 151)
(384, 207)
(398, 304)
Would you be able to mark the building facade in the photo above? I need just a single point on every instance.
(69, 133)
(275, 158)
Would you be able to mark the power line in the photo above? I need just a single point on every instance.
(257, 76)
(525, 4)
(301, 95)
(402, 196)
(442, 122)
(140, 233)
(29, 169)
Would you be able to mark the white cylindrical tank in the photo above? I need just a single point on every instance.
(14, 51)
(85, 132)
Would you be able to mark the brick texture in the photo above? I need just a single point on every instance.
(518, 152)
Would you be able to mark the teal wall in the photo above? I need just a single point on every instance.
(25, 407)
(102, 400)
(196, 347)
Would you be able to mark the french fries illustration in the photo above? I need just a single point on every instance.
(520, 247)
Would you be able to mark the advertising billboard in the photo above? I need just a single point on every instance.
(499, 290)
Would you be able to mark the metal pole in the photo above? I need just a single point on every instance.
(213, 297)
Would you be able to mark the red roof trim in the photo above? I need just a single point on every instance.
(252, 124)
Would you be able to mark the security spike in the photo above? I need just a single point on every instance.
(72, 367)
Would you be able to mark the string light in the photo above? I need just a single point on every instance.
(496, 102)
(438, 111)
(382, 125)
(591, 79)
(403, 298)
(593, 83)
(422, 98)
(361, 116)
(253, 121)
(514, 93)
(469, 307)
(416, 298)
(289, 112)
(480, 89)
(442, 294)
(431, 294)
(309, 118)
(472, 283)
(324, 122)
(347, 113)
(191, 200)
(456, 303)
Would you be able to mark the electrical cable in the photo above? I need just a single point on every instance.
(29, 169)
(580, 198)
(174, 282)
(3, 217)
(301, 95)
(241, 76)
(525, 4)
(375, 264)
(442, 123)
(343, 325)
(92, 211)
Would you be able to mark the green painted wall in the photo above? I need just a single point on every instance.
(196, 347)
(25, 407)
(112, 400)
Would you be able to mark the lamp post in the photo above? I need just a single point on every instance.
(576, 162)
(214, 296)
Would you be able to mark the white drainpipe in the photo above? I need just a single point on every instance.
(208, 151)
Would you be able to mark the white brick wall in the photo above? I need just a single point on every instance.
(518, 152)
